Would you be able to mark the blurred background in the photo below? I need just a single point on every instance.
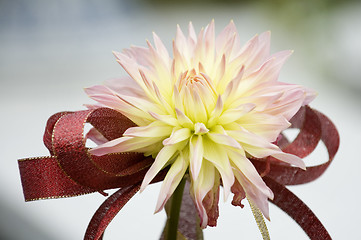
(51, 50)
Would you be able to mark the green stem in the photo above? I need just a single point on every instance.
(175, 206)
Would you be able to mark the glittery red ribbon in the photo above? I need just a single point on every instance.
(108, 210)
(314, 126)
(72, 171)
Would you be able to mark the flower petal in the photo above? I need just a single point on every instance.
(183, 120)
(210, 203)
(264, 125)
(218, 157)
(196, 152)
(171, 181)
(224, 139)
(201, 186)
(167, 119)
(269, 70)
(233, 115)
(161, 49)
(165, 155)
(178, 135)
(253, 193)
(249, 171)
(216, 112)
(290, 158)
(155, 129)
(107, 98)
(96, 136)
(276, 153)
(228, 40)
(125, 86)
(124, 144)
(200, 113)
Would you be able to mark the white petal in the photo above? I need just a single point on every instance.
(96, 136)
(164, 103)
(229, 34)
(218, 157)
(249, 138)
(216, 112)
(232, 115)
(141, 103)
(218, 76)
(192, 37)
(250, 172)
(178, 135)
(265, 125)
(209, 40)
(167, 119)
(124, 144)
(196, 155)
(171, 181)
(160, 161)
(201, 186)
(183, 120)
(270, 69)
(155, 129)
(230, 92)
(252, 192)
(200, 112)
(224, 140)
(310, 95)
(178, 102)
(276, 153)
(290, 158)
(131, 66)
(105, 96)
(288, 105)
(161, 49)
(189, 104)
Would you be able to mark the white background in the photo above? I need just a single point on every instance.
(49, 51)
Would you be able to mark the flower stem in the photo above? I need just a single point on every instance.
(175, 206)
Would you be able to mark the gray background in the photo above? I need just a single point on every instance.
(50, 50)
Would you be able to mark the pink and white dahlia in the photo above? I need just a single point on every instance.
(204, 112)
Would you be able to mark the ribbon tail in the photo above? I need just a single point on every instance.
(108, 210)
(42, 178)
(298, 210)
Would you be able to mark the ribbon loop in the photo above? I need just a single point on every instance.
(311, 123)
(71, 170)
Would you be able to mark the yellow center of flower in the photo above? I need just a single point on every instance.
(193, 78)
(196, 99)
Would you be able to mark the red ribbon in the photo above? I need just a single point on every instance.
(314, 126)
(72, 171)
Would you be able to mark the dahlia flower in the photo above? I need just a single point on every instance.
(205, 111)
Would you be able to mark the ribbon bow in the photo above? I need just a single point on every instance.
(72, 171)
